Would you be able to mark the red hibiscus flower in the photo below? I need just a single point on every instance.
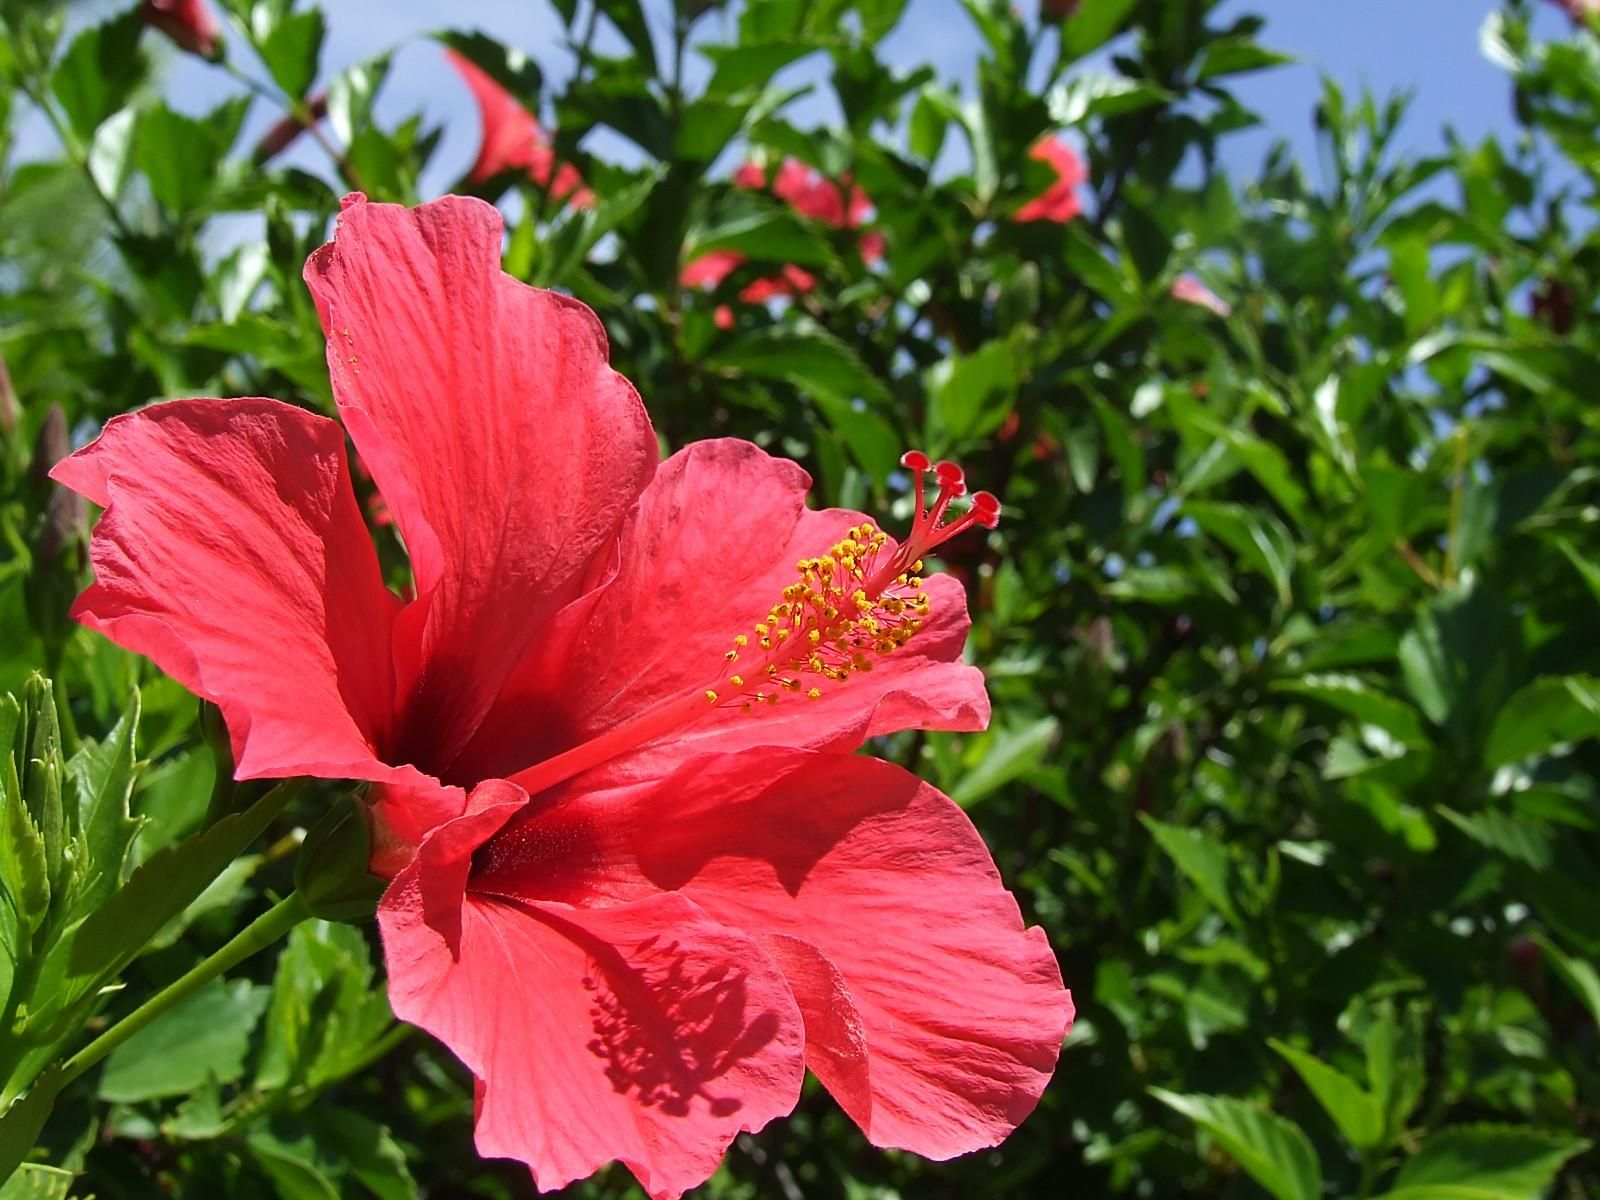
(514, 141)
(1059, 202)
(808, 192)
(187, 22)
(640, 879)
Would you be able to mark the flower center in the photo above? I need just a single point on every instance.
(851, 605)
(826, 626)
(847, 607)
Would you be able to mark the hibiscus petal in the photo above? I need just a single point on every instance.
(644, 1032)
(704, 556)
(711, 268)
(507, 448)
(932, 1015)
(232, 545)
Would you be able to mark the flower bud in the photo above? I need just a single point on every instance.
(50, 447)
(331, 874)
(188, 23)
(280, 136)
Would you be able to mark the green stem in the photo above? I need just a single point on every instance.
(1369, 1173)
(1458, 487)
(256, 936)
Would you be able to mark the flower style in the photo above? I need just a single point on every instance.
(639, 878)
(809, 193)
(1059, 202)
(187, 22)
(514, 141)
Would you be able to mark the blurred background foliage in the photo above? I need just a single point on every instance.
(1289, 624)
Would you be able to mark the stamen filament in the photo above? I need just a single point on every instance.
(845, 610)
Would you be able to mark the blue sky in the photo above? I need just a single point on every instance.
(1430, 46)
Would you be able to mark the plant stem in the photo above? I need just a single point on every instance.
(256, 936)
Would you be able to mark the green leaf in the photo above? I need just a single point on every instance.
(111, 153)
(351, 96)
(99, 72)
(506, 65)
(1241, 448)
(180, 155)
(1577, 974)
(205, 1037)
(1484, 1162)
(753, 64)
(820, 365)
(808, 358)
(1203, 860)
(325, 1011)
(162, 887)
(1354, 1111)
(374, 1157)
(1258, 538)
(1236, 56)
(1458, 660)
(42, 778)
(1547, 712)
(21, 1123)
(1093, 25)
(101, 778)
(289, 44)
(1586, 568)
(769, 234)
(312, 1159)
(970, 395)
(34, 1181)
(1393, 1044)
(569, 244)
(1091, 94)
(1518, 840)
(24, 868)
(299, 1166)
(1356, 697)
(1276, 1152)
(926, 133)
(628, 16)
(1008, 753)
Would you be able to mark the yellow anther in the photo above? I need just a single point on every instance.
(841, 613)
(814, 694)
(711, 697)
(731, 656)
